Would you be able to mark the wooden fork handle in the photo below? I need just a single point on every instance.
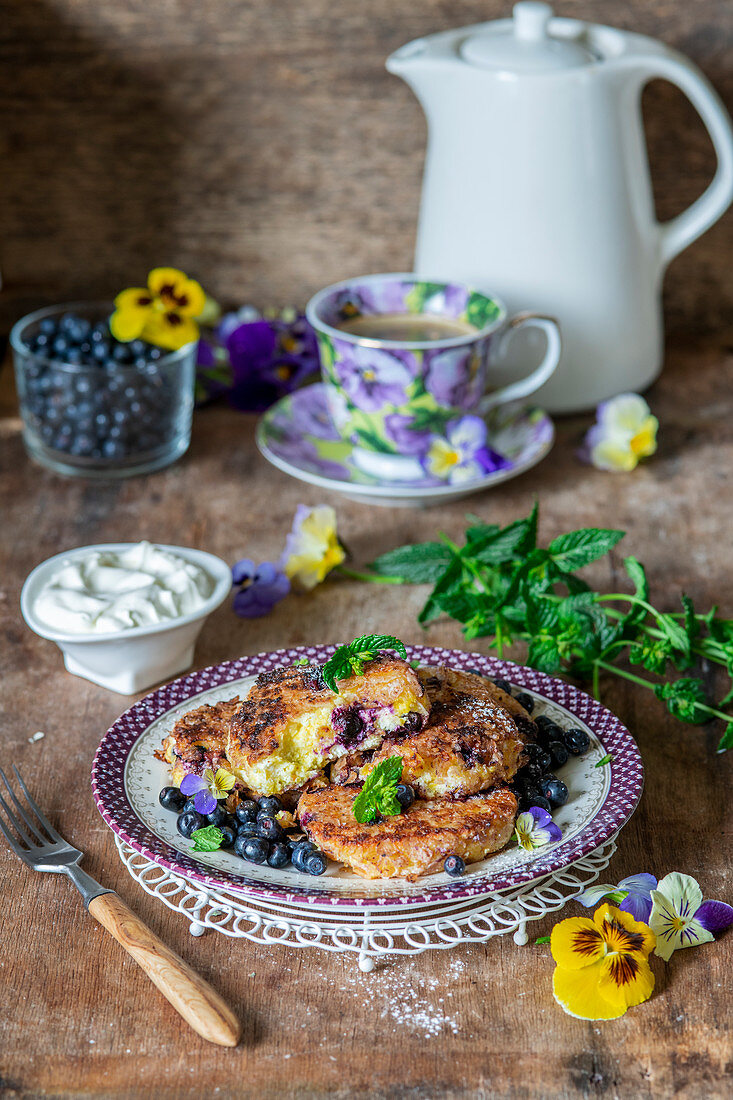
(200, 1005)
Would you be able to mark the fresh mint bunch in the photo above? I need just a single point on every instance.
(502, 585)
(349, 660)
(378, 796)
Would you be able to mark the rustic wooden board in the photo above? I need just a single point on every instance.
(78, 1016)
(263, 146)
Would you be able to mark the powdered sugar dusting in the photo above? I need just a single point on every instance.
(420, 1003)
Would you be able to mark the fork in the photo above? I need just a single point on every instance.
(199, 1005)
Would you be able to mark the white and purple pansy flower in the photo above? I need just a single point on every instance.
(208, 788)
(680, 918)
(535, 828)
(633, 895)
(373, 378)
(463, 454)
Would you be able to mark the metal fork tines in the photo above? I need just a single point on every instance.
(37, 843)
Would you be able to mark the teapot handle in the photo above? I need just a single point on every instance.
(679, 232)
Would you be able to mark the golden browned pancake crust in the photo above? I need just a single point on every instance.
(413, 843)
(199, 739)
(470, 743)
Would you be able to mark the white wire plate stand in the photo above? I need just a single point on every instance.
(369, 933)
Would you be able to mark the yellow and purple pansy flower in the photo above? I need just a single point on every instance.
(535, 828)
(164, 313)
(312, 548)
(602, 964)
(208, 788)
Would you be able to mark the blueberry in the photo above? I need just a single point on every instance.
(405, 795)
(60, 345)
(100, 331)
(246, 810)
(525, 701)
(554, 790)
(536, 798)
(101, 350)
(504, 685)
(270, 803)
(190, 804)
(300, 853)
(171, 798)
(559, 753)
(538, 755)
(454, 866)
(576, 741)
(218, 816)
(316, 863)
(48, 326)
(228, 836)
(268, 828)
(532, 772)
(247, 828)
(279, 855)
(239, 844)
(255, 849)
(112, 448)
(189, 822)
(42, 342)
(121, 353)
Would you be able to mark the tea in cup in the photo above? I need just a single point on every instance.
(407, 363)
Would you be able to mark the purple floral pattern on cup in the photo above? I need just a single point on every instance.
(371, 378)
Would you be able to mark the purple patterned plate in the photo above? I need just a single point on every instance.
(126, 778)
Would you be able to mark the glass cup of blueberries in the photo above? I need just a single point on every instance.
(92, 406)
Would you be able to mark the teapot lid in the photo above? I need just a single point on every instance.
(524, 44)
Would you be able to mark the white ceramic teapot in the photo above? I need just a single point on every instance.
(537, 184)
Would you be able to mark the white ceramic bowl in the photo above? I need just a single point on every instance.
(130, 660)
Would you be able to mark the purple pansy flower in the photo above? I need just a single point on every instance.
(208, 788)
(370, 377)
(257, 360)
(535, 828)
(463, 453)
(399, 430)
(633, 895)
(451, 375)
(262, 586)
(310, 415)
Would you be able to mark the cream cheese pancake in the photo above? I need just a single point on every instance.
(292, 725)
(413, 843)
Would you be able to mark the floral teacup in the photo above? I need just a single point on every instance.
(418, 405)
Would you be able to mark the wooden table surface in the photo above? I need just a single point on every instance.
(79, 1018)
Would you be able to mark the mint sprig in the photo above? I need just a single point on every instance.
(207, 839)
(502, 585)
(378, 796)
(349, 660)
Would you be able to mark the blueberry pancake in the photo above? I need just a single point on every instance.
(412, 843)
(291, 725)
(470, 743)
(199, 739)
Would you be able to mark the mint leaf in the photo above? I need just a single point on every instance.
(349, 660)
(420, 564)
(207, 839)
(726, 741)
(542, 939)
(578, 548)
(516, 540)
(378, 797)
(604, 760)
(683, 697)
(637, 574)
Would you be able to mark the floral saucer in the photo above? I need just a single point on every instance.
(298, 436)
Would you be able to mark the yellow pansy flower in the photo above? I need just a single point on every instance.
(312, 548)
(602, 964)
(163, 313)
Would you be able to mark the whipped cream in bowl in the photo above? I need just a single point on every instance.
(125, 615)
